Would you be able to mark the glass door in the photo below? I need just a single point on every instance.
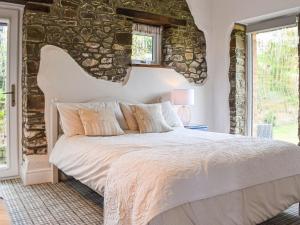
(275, 79)
(9, 61)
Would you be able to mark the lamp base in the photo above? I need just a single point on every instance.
(185, 115)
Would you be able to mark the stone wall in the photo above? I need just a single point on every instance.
(237, 79)
(100, 41)
(184, 50)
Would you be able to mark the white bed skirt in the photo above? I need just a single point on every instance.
(249, 206)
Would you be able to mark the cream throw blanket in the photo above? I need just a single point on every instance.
(160, 174)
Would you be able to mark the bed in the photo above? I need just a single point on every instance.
(227, 199)
(181, 177)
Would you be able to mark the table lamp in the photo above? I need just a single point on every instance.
(183, 98)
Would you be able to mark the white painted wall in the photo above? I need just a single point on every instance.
(202, 13)
(216, 18)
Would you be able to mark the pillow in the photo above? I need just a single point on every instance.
(150, 118)
(102, 122)
(168, 112)
(170, 115)
(129, 117)
(70, 120)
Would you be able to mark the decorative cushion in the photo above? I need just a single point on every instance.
(170, 115)
(150, 118)
(102, 122)
(168, 112)
(70, 120)
(129, 117)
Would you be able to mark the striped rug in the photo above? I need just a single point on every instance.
(71, 203)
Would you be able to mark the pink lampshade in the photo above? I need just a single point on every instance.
(183, 97)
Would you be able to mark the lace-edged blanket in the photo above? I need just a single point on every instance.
(164, 174)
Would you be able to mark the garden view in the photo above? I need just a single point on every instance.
(3, 71)
(275, 82)
(142, 48)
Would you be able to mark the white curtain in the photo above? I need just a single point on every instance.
(148, 29)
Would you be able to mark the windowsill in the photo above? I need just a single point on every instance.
(149, 65)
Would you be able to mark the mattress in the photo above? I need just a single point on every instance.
(89, 160)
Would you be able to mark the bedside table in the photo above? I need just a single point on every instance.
(197, 127)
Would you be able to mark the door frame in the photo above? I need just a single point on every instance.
(15, 14)
(263, 26)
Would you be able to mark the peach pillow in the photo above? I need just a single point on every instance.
(70, 120)
(150, 118)
(168, 111)
(102, 122)
(129, 117)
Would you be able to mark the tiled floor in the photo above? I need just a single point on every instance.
(75, 204)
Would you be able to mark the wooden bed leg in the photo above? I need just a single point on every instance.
(299, 209)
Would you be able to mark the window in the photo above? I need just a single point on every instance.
(273, 74)
(146, 44)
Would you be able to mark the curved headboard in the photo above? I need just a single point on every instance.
(62, 79)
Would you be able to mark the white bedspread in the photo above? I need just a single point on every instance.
(145, 175)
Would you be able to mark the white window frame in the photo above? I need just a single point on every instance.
(156, 50)
(263, 26)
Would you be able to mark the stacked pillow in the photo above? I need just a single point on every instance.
(111, 118)
(71, 121)
(162, 114)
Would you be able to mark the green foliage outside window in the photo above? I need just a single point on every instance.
(276, 84)
(142, 48)
(3, 72)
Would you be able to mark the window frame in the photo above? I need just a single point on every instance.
(252, 29)
(156, 49)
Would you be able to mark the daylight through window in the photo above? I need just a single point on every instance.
(146, 44)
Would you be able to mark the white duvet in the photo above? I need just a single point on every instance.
(142, 176)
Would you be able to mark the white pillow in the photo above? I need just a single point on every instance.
(171, 115)
(168, 112)
(70, 120)
(150, 118)
(102, 122)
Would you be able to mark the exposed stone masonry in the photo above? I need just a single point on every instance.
(237, 79)
(183, 49)
(100, 41)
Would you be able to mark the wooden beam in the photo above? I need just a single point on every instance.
(41, 1)
(145, 17)
(37, 7)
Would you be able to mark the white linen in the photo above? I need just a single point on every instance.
(249, 206)
(150, 175)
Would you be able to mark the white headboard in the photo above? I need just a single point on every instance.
(62, 79)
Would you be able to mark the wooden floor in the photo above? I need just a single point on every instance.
(4, 217)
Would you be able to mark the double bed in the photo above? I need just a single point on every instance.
(182, 177)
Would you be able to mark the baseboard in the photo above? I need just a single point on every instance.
(36, 170)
